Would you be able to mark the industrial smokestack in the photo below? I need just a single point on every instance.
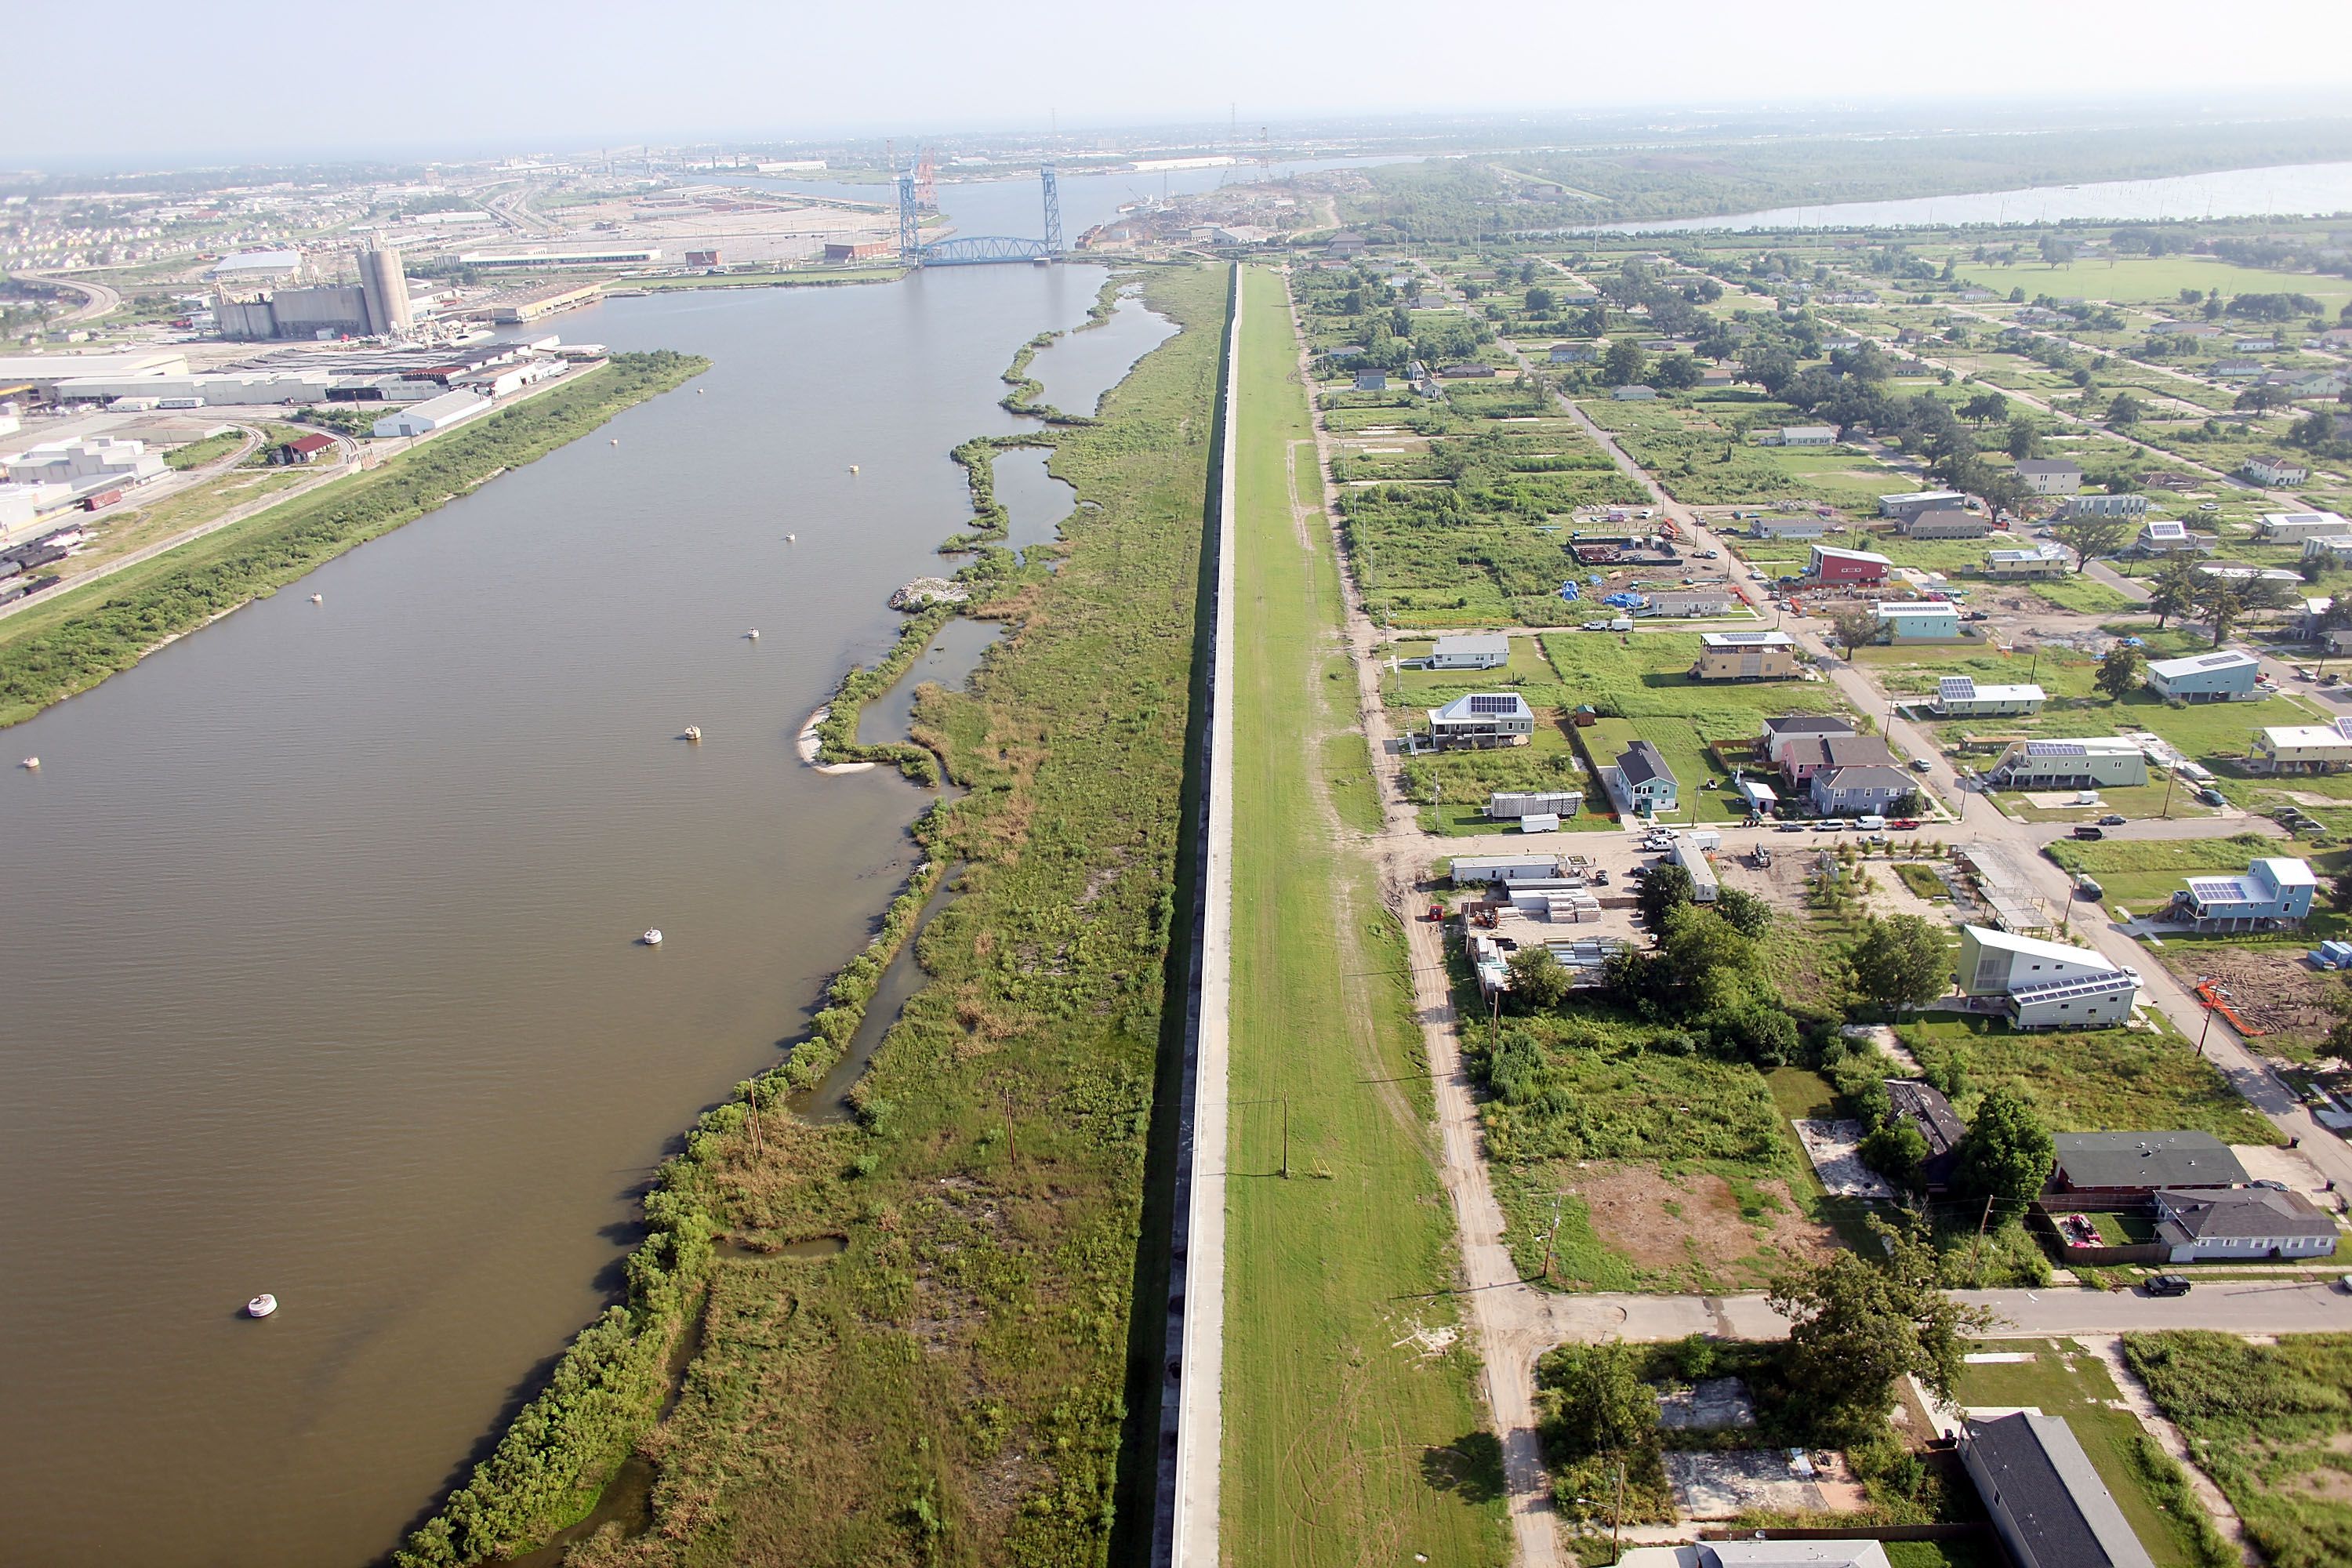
(386, 287)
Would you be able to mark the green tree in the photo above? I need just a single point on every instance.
(1984, 407)
(2007, 1154)
(2172, 591)
(2024, 437)
(1708, 966)
(1665, 889)
(2339, 891)
(1900, 960)
(2125, 410)
(2091, 537)
(1625, 364)
(1592, 1400)
(1745, 912)
(1539, 982)
(1539, 301)
(2119, 671)
(1853, 626)
(1678, 372)
(1858, 1322)
(1894, 1149)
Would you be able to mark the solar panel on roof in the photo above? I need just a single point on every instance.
(2056, 749)
(2221, 890)
(2344, 728)
(2214, 660)
(1955, 685)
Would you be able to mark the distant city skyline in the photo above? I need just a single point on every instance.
(150, 89)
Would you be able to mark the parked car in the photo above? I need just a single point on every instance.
(1829, 825)
(1921, 765)
(2212, 796)
(2090, 830)
(1791, 827)
(2168, 1285)
(1904, 824)
(2113, 819)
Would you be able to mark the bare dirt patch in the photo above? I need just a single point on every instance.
(1663, 1222)
(2269, 988)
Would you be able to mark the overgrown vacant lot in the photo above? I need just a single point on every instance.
(2271, 1424)
(2097, 1081)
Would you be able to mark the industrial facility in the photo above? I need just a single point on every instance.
(376, 306)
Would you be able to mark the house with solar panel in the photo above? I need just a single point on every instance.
(2275, 892)
(2044, 984)
(1483, 718)
(2228, 675)
(1746, 656)
(2302, 748)
(2042, 560)
(1917, 620)
(2105, 762)
(1959, 696)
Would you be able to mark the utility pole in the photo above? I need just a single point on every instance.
(1617, 1511)
(1551, 1237)
(1285, 1137)
(2171, 777)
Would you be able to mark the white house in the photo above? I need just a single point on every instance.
(2229, 675)
(1483, 718)
(1809, 435)
(1959, 696)
(2241, 1223)
(1911, 502)
(2050, 477)
(2336, 547)
(2044, 560)
(2045, 984)
(1477, 650)
(2300, 748)
(2271, 470)
(2103, 761)
(2287, 525)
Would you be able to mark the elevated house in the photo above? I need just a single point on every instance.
(2046, 1500)
(1917, 620)
(1911, 502)
(2302, 748)
(2336, 549)
(2164, 535)
(2044, 985)
(1481, 718)
(2227, 675)
(2102, 762)
(2290, 526)
(2273, 893)
(2042, 560)
(1477, 650)
(1959, 696)
(1746, 656)
(2126, 1168)
(2077, 507)
(1946, 522)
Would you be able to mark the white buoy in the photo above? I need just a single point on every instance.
(792, 539)
(32, 763)
(852, 468)
(652, 938)
(318, 598)
(261, 1306)
(694, 732)
(616, 440)
(753, 634)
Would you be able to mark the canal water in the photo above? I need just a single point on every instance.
(319, 958)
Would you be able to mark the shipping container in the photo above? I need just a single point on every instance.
(103, 497)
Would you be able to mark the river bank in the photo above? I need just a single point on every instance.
(111, 626)
(955, 1375)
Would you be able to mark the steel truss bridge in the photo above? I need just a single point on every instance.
(979, 250)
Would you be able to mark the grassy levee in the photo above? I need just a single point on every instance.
(1351, 1430)
(56, 649)
(948, 1391)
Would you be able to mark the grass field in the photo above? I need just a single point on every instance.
(2097, 1081)
(2066, 1381)
(2271, 1424)
(1350, 1416)
(2158, 280)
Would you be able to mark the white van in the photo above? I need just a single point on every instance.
(1870, 824)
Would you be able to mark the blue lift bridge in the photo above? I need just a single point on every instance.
(979, 250)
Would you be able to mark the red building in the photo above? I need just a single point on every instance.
(1844, 567)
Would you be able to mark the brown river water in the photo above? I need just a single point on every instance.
(316, 962)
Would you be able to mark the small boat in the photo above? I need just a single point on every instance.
(318, 598)
(652, 937)
(753, 634)
(616, 440)
(852, 468)
(792, 539)
(694, 732)
(32, 763)
(261, 1306)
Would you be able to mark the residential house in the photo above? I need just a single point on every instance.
(1344, 246)
(1959, 696)
(2044, 985)
(1808, 435)
(2226, 675)
(1691, 855)
(2302, 748)
(2256, 345)
(2171, 479)
(2335, 548)
(1923, 1107)
(2271, 470)
(2333, 338)
(1372, 381)
(1575, 353)
(2184, 330)
(1483, 718)
(2049, 476)
(302, 449)
(2103, 761)
(2237, 369)
(2242, 1223)
(1917, 620)
(1946, 522)
(2288, 525)
(1474, 650)
(1863, 1554)
(2042, 560)
(1687, 603)
(2047, 1502)
(2274, 892)
(1800, 528)
(1803, 758)
(1912, 501)
(1465, 370)
(1641, 782)
(2078, 506)
(2164, 535)
(1746, 656)
(2309, 621)
(2131, 1167)
(1780, 731)
(1875, 788)
(1829, 566)
(1634, 393)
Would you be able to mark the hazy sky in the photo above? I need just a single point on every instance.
(140, 80)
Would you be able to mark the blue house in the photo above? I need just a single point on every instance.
(1372, 381)
(2276, 890)
(2227, 675)
(1924, 620)
(1645, 785)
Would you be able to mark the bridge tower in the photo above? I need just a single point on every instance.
(927, 188)
(1053, 210)
(910, 226)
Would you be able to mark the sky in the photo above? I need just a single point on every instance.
(161, 84)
